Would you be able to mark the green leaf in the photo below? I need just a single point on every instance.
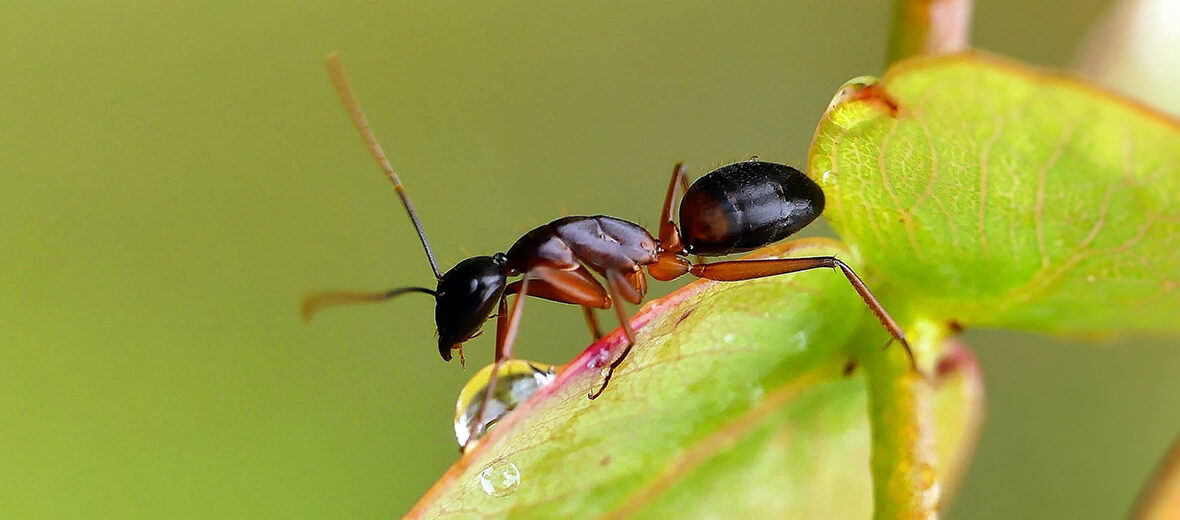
(988, 193)
(733, 404)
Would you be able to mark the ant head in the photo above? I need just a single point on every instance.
(466, 297)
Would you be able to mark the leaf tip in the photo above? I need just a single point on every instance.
(864, 88)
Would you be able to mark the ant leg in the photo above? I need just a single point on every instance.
(735, 270)
(617, 282)
(669, 236)
(637, 281)
(506, 326)
(576, 286)
(629, 286)
(592, 322)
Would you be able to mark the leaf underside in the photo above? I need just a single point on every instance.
(733, 403)
(988, 193)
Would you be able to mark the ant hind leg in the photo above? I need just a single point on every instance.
(735, 270)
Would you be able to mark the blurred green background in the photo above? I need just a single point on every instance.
(177, 176)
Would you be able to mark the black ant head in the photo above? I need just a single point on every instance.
(467, 295)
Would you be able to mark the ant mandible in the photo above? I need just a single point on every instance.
(735, 208)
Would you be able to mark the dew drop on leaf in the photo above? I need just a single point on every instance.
(518, 380)
(499, 478)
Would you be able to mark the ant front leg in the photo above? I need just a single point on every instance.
(736, 270)
(507, 325)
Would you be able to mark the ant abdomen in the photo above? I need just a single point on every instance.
(747, 205)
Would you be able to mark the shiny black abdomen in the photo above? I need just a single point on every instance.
(745, 206)
(600, 242)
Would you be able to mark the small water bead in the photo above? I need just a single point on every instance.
(518, 380)
(727, 338)
(499, 478)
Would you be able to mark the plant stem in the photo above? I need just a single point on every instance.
(900, 415)
(929, 27)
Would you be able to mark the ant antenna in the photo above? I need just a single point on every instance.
(313, 304)
(344, 90)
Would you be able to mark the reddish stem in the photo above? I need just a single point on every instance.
(924, 27)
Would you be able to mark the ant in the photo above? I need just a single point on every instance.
(735, 208)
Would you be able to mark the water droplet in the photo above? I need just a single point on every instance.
(499, 478)
(728, 338)
(829, 178)
(604, 371)
(518, 380)
(753, 158)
